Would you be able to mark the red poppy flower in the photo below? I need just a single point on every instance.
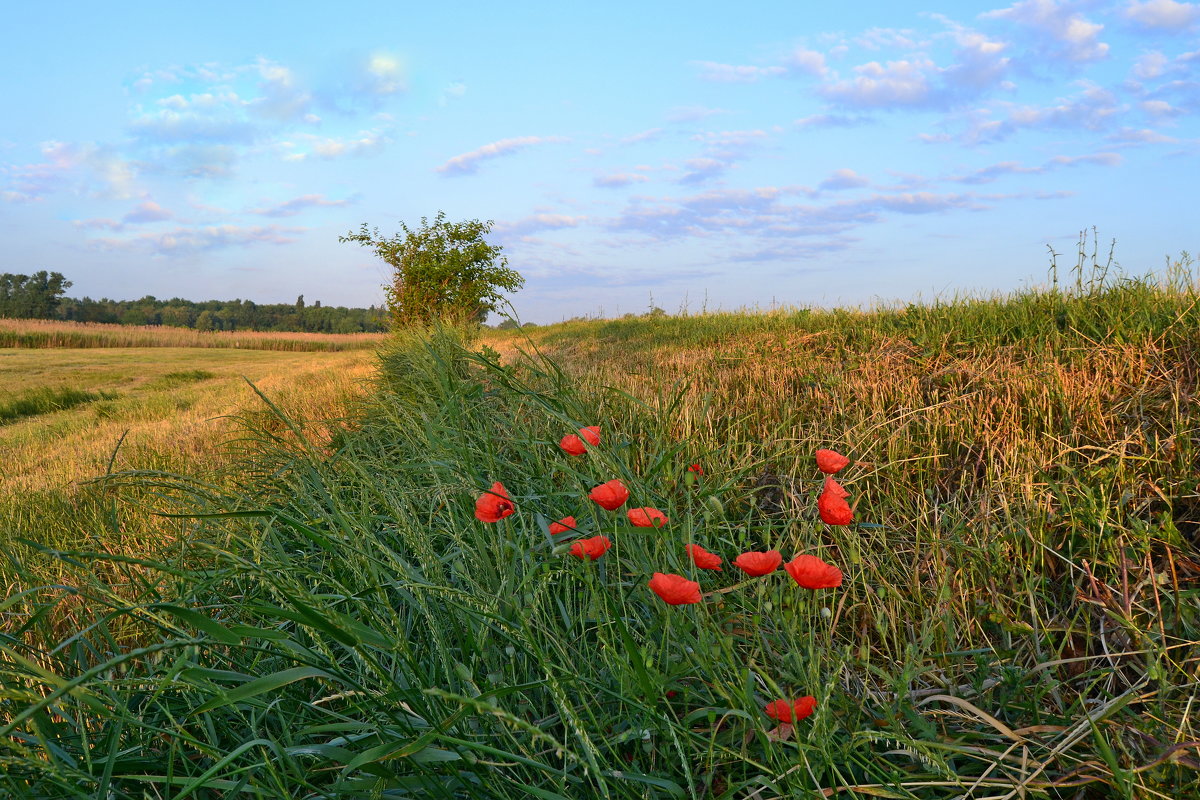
(591, 548)
(675, 590)
(831, 461)
(646, 517)
(564, 525)
(591, 434)
(702, 558)
(611, 495)
(791, 710)
(495, 505)
(696, 468)
(813, 573)
(834, 509)
(834, 488)
(759, 563)
(573, 445)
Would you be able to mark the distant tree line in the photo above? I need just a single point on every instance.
(40, 296)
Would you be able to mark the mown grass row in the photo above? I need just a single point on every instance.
(44, 400)
(1020, 615)
(34, 333)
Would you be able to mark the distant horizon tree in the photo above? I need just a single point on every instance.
(36, 296)
(39, 296)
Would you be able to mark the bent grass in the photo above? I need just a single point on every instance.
(1019, 617)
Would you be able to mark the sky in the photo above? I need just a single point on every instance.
(686, 155)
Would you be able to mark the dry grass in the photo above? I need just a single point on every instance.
(164, 417)
(37, 333)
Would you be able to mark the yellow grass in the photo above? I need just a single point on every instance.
(52, 333)
(174, 410)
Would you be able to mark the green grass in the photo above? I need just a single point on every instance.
(44, 400)
(171, 380)
(1020, 615)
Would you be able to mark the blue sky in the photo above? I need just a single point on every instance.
(700, 154)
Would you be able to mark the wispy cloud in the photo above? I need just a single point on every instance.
(468, 163)
(618, 179)
(643, 136)
(978, 66)
(81, 168)
(831, 121)
(291, 208)
(734, 73)
(306, 146)
(692, 113)
(538, 222)
(1093, 109)
(148, 211)
(189, 240)
(994, 171)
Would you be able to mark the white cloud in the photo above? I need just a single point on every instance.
(1163, 15)
(1065, 33)
(1159, 108)
(281, 98)
(468, 163)
(843, 179)
(700, 170)
(806, 62)
(1150, 65)
(899, 83)
(385, 74)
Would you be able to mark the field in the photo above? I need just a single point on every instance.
(75, 414)
(347, 612)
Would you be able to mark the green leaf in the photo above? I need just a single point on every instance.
(201, 622)
(267, 683)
